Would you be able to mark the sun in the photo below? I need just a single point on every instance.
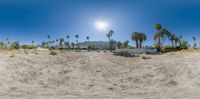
(101, 25)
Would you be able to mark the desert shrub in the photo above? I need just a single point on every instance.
(28, 47)
(52, 52)
(15, 45)
(123, 53)
(2, 45)
(52, 48)
(184, 45)
(171, 49)
(194, 45)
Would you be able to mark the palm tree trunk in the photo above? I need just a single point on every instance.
(140, 44)
(68, 43)
(159, 42)
(136, 44)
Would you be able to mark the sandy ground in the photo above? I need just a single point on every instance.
(32, 74)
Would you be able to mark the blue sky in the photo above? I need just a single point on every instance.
(29, 20)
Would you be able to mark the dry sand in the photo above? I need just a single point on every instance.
(32, 74)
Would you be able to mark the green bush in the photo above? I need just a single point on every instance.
(184, 45)
(28, 47)
(15, 45)
(171, 49)
(52, 48)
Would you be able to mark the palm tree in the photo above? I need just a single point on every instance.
(135, 37)
(164, 34)
(61, 41)
(49, 37)
(57, 41)
(7, 42)
(142, 37)
(119, 44)
(32, 43)
(77, 36)
(158, 27)
(68, 40)
(172, 38)
(176, 40)
(72, 45)
(53, 42)
(109, 35)
(126, 44)
(88, 38)
(194, 41)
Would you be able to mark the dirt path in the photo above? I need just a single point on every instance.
(84, 75)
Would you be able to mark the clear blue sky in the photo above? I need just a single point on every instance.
(29, 20)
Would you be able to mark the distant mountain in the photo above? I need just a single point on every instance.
(97, 44)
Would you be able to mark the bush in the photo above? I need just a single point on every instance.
(123, 53)
(171, 49)
(52, 48)
(28, 47)
(15, 45)
(184, 45)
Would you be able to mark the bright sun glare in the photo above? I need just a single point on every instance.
(101, 25)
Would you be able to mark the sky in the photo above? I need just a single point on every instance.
(29, 20)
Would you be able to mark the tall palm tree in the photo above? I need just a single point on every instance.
(164, 34)
(7, 42)
(49, 37)
(135, 37)
(142, 37)
(61, 41)
(109, 35)
(194, 40)
(68, 40)
(57, 40)
(77, 36)
(119, 44)
(126, 44)
(88, 38)
(72, 45)
(180, 38)
(172, 38)
(158, 27)
(32, 43)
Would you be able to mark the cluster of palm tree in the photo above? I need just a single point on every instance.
(60, 42)
(122, 44)
(139, 38)
(162, 34)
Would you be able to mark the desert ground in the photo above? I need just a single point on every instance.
(35, 74)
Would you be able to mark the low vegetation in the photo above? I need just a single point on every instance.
(28, 47)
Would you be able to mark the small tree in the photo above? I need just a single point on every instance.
(109, 35)
(15, 45)
(126, 44)
(77, 36)
(68, 40)
(119, 44)
(72, 45)
(32, 43)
